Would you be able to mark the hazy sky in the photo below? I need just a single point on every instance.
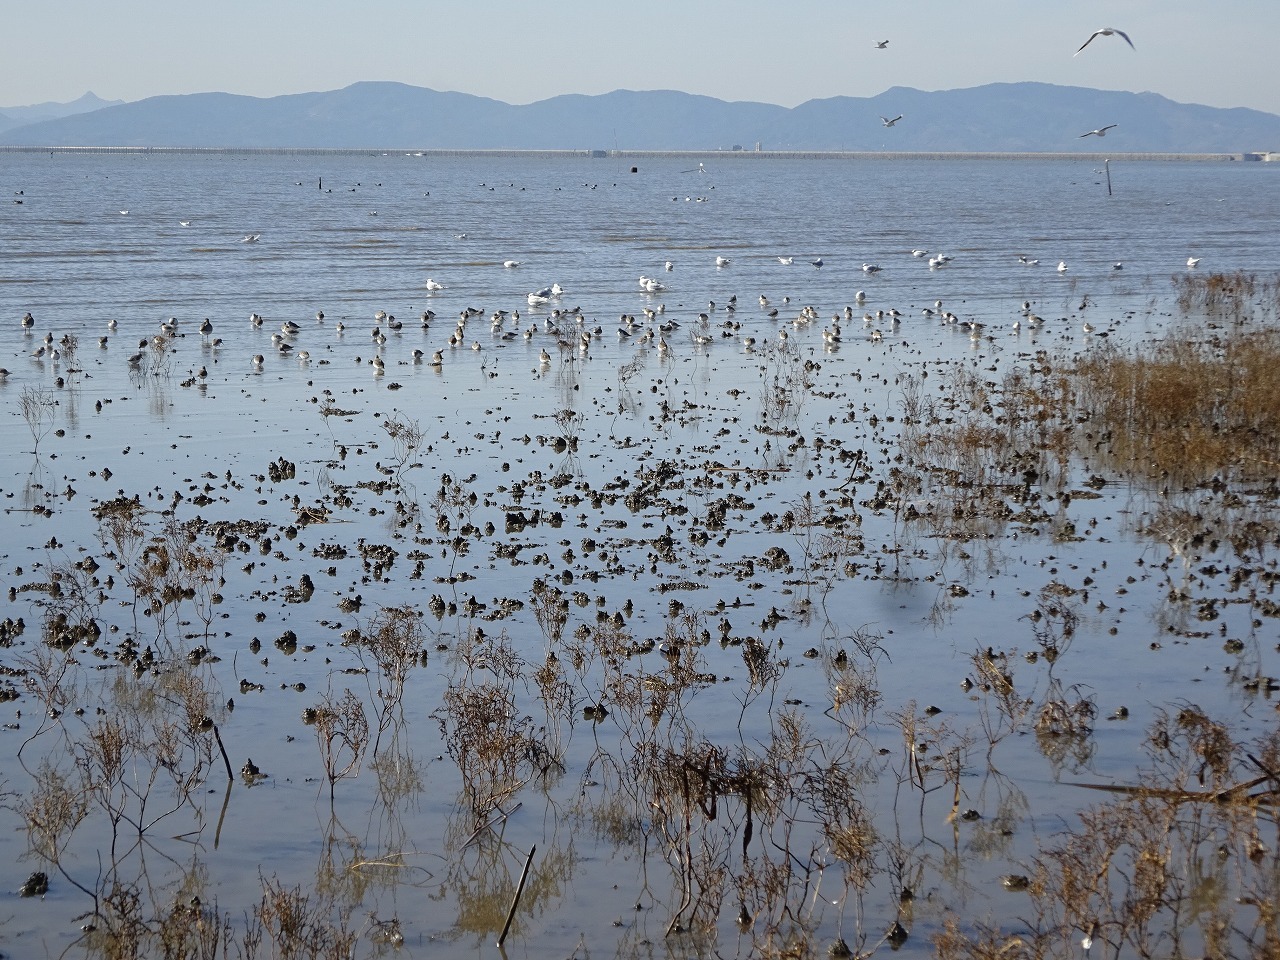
(1218, 52)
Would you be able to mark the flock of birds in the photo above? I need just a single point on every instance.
(570, 330)
(1101, 32)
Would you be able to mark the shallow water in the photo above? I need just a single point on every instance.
(351, 235)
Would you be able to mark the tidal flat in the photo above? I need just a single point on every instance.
(389, 568)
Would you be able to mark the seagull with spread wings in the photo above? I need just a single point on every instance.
(1100, 132)
(889, 123)
(1105, 32)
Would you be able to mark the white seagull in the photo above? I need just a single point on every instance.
(889, 123)
(722, 261)
(511, 264)
(434, 284)
(786, 261)
(1062, 266)
(1100, 132)
(1192, 261)
(1105, 32)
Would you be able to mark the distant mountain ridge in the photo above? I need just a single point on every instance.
(1003, 117)
(11, 117)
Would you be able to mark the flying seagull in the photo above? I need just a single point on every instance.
(1100, 132)
(882, 44)
(1105, 32)
(889, 123)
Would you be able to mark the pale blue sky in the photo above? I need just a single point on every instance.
(1218, 52)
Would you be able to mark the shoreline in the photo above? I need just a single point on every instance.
(1247, 156)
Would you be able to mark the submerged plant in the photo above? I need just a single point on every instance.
(38, 408)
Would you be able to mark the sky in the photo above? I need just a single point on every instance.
(1221, 53)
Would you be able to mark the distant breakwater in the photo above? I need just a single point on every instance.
(642, 154)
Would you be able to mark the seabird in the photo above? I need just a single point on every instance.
(870, 268)
(1062, 266)
(1105, 32)
(889, 123)
(882, 44)
(786, 261)
(511, 264)
(1192, 261)
(817, 261)
(1100, 132)
(722, 261)
(434, 285)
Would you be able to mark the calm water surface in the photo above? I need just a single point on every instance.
(100, 239)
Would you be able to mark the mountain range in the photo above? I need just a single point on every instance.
(11, 117)
(999, 117)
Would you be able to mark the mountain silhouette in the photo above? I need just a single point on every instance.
(1000, 117)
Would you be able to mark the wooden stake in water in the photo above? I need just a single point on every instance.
(1107, 166)
(515, 901)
